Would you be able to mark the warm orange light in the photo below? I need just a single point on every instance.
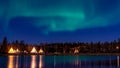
(41, 51)
(33, 50)
(17, 51)
(11, 50)
(76, 51)
(117, 47)
(10, 62)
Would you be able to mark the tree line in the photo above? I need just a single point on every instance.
(63, 48)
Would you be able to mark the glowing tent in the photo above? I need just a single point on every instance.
(25, 51)
(11, 50)
(76, 51)
(17, 51)
(41, 51)
(33, 50)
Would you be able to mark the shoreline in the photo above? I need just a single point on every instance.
(80, 54)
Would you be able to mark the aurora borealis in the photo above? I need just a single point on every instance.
(60, 20)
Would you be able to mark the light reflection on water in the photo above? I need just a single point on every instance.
(41, 61)
(11, 62)
(33, 62)
(118, 61)
(17, 61)
(61, 61)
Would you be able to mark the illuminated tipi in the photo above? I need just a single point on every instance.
(76, 51)
(33, 50)
(25, 51)
(17, 51)
(41, 51)
(11, 50)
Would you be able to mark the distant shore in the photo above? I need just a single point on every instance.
(80, 54)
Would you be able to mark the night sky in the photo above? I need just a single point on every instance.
(60, 20)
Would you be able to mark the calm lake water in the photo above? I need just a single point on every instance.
(59, 61)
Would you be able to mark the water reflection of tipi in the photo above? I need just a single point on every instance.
(33, 50)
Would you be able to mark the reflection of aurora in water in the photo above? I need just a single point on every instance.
(60, 61)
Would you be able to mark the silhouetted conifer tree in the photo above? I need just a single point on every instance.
(4, 45)
(4, 41)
